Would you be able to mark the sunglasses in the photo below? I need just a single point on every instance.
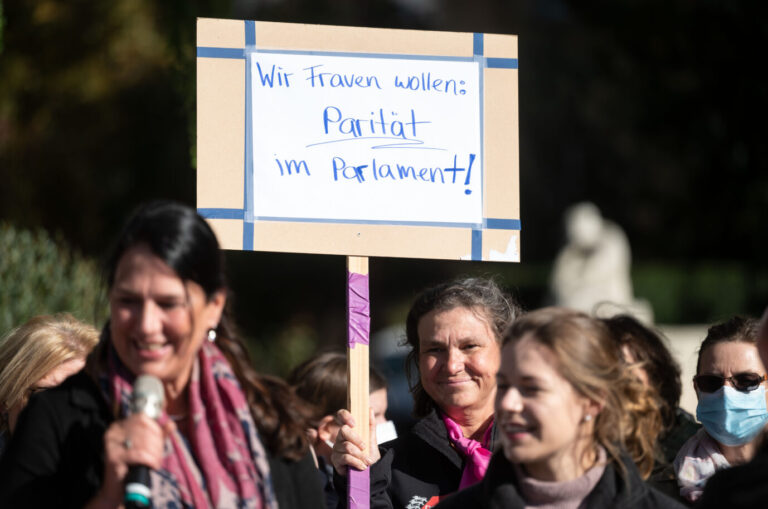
(744, 382)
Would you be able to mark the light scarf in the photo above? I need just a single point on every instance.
(560, 494)
(697, 461)
(222, 462)
(477, 455)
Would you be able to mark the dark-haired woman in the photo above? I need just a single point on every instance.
(564, 420)
(730, 385)
(743, 486)
(454, 331)
(227, 437)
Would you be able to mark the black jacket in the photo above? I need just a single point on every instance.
(56, 455)
(740, 487)
(413, 468)
(499, 490)
(663, 477)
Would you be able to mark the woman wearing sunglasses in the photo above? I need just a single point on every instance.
(730, 385)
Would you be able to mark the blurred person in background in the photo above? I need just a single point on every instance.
(454, 332)
(645, 351)
(41, 353)
(321, 382)
(226, 437)
(567, 413)
(730, 385)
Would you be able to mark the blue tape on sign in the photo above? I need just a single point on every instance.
(250, 33)
(477, 44)
(247, 236)
(385, 56)
(367, 221)
(206, 52)
(221, 213)
(248, 160)
(250, 41)
(477, 245)
(501, 63)
(502, 224)
(239, 53)
(481, 109)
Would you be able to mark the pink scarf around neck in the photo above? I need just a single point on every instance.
(221, 461)
(477, 455)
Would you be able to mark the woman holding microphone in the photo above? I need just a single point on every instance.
(227, 437)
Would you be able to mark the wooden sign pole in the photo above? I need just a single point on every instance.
(358, 321)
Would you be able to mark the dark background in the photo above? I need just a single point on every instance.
(654, 110)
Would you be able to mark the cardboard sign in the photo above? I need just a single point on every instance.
(358, 141)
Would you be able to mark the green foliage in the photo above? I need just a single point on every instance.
(279, 355)
(41, 276)
(702, 292)
(93, 115)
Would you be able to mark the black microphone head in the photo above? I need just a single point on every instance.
(148, 396)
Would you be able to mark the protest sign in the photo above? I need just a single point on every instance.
(358, 141)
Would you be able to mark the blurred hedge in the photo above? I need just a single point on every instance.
(701, 292)
(278, 354)
(40, 275)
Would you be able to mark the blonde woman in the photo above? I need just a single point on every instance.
(566, 417)
(38, 355)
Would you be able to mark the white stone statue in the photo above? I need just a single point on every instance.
(592, 271)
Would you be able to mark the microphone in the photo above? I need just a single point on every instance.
(148, 398)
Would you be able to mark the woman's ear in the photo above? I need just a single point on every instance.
(215, 307)
(593, 408)
(762, 338)
(327, 429)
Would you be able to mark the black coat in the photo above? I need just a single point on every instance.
(55, 458)
(499, 490)
(413, 468)
(740, 487)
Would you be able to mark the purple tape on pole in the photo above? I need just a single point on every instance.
(359, 323)
(359, 488)
(358, 309)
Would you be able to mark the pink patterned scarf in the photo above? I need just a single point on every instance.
(221, 462)
(477, 455)
(698, 460)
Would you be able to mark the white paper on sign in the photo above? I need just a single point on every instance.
(347, 138)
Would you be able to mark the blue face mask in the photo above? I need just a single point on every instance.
(732, 417)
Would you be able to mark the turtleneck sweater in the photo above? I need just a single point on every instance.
(560, 494)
